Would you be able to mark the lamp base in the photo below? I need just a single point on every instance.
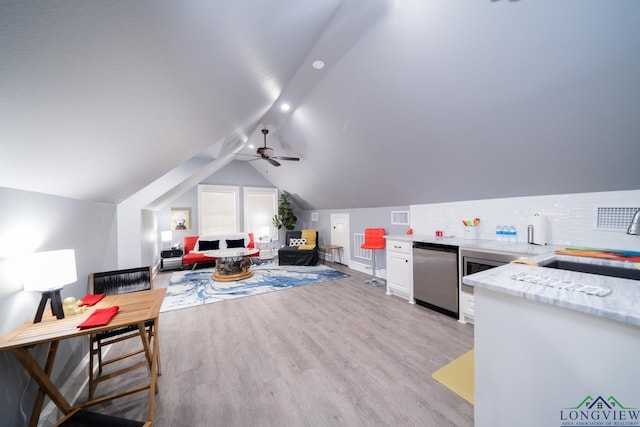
(56, 304)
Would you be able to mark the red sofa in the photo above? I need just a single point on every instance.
(193, 256)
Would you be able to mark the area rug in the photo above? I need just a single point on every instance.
(458, 376)
(193, 288)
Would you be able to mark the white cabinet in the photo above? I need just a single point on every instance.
(400, 269)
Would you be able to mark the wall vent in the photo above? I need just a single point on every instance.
(613, 218)
(400, 218)
(358, 252)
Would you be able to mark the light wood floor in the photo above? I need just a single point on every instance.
(336, 353)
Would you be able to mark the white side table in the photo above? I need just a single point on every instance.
(329, 249)
(267, 250)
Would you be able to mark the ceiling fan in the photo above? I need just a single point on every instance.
(266, 153)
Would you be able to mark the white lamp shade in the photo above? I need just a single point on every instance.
(166, 236)
(50, 270)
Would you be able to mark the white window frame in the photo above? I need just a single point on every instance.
(272, 231)
(221, 189)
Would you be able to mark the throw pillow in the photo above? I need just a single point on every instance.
(310, 236)
(209, 245)
(238, 243)
(297, 242)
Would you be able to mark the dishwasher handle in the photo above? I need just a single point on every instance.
(435, 247)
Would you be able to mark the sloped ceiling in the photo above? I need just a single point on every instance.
(99, 99)
(418, 102)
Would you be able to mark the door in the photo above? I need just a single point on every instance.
(340, 236)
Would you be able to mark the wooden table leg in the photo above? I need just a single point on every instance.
(42, 378)
(48, 366)
(154, 370)
(145, 343)
(152, 358)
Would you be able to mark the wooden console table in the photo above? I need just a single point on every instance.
(135, 309)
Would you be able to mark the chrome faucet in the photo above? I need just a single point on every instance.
(634, 227)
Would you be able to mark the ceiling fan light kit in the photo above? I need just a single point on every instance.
(266, 153)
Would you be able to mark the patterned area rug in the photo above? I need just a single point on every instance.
(192, 288)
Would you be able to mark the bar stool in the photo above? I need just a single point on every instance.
(374, 240)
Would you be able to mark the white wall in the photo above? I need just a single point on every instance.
(570, 217)
(136, 228)
(149, 241)
(34, 222)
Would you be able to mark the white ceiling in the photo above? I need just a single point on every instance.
(419, 101)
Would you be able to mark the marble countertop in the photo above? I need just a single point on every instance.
(621, 304)
(520, 248)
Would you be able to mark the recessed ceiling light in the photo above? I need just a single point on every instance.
(285, 107)
(318, 65)
(252, 146)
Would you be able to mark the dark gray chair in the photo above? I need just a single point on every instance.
(113, 283)
(84, 418)
(291, 255)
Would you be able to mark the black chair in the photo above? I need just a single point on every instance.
(113, 283)
(84, 418)
(292, 255)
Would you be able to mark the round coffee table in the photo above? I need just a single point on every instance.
(232, 264)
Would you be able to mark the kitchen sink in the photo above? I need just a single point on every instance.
(603, 270)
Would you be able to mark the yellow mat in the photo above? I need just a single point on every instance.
(458, 376)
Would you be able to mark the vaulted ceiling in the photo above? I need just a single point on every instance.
(418, 101)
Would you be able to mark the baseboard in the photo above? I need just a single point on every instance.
(156, 269)
(366, 269)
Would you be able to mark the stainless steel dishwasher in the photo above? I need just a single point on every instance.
(435, 277)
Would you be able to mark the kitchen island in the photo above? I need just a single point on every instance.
(548, 354)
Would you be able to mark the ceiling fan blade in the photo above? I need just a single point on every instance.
(273, 162)
(296, 159)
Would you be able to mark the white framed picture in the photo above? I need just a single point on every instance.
(180, 218)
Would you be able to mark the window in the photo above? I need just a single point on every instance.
(219, 209)
(260, 206)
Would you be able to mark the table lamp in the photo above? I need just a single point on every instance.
(264, 234)
(166, 239)
(48, 273)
